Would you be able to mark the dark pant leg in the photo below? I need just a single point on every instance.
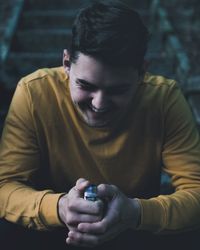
(140, 240)
(15, 237)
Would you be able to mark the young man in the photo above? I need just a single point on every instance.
(100, 119)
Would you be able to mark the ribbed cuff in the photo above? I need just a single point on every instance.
(49, 211)
(153, 215)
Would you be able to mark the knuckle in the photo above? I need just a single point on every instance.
(71, 220)
(71, 205)
(102, 187)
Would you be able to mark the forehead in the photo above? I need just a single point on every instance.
(95, 71)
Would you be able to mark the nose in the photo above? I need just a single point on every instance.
(100, 100)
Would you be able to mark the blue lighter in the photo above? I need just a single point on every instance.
(91, 193)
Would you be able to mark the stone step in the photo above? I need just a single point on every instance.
(54, 5)
(142, 4)
(49, 19)
(34, 60)
(76, 4)
(57, 18)
(52, 19)
(20, 64)
(41, 40)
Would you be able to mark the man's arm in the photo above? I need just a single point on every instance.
(20, 161)
(179, 211)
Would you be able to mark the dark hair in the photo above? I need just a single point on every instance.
(111, 32)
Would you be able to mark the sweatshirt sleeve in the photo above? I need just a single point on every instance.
(179, 211)
(20, 201)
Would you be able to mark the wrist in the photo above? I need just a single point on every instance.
(60, 210)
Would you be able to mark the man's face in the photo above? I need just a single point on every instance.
(101, 93)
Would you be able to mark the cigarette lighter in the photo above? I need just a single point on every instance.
(91, 193)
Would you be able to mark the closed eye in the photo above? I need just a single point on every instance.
(85, 85)
(114, 90)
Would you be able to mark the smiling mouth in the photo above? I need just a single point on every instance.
(100, 111)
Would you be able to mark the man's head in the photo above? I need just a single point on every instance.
(111, 32)
(105, 61)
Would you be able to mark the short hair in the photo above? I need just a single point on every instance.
(111, 32)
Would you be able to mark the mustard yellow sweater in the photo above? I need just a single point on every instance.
(46, 147)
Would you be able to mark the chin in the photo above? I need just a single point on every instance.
(97, 124)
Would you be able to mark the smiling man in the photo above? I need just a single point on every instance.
(101, 93)
(100, 119)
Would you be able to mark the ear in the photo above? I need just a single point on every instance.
(66, 61)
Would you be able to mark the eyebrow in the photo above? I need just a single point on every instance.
(124, 85)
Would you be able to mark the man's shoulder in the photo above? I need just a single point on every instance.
(44, 75)
(158, 80)
(156, 88)
(48, 83)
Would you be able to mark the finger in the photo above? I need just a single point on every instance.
(107, 191)
(75, 219)
(81, 184)
(111, 219)
(99, 227)
(78, 189)
(80, 205)
(91, 240)
(84, 240)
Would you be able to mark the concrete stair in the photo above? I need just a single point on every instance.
(46, 19)
(36, 40)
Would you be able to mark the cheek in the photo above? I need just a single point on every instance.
(79, 95)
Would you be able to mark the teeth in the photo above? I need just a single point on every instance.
(98, 110)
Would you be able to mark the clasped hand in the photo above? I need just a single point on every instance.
(91, 223)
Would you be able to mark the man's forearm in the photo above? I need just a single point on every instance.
(26, 206)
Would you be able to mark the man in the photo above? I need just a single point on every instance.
(100, 119)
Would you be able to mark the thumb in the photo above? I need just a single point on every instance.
(81, 184)
(106, 191)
